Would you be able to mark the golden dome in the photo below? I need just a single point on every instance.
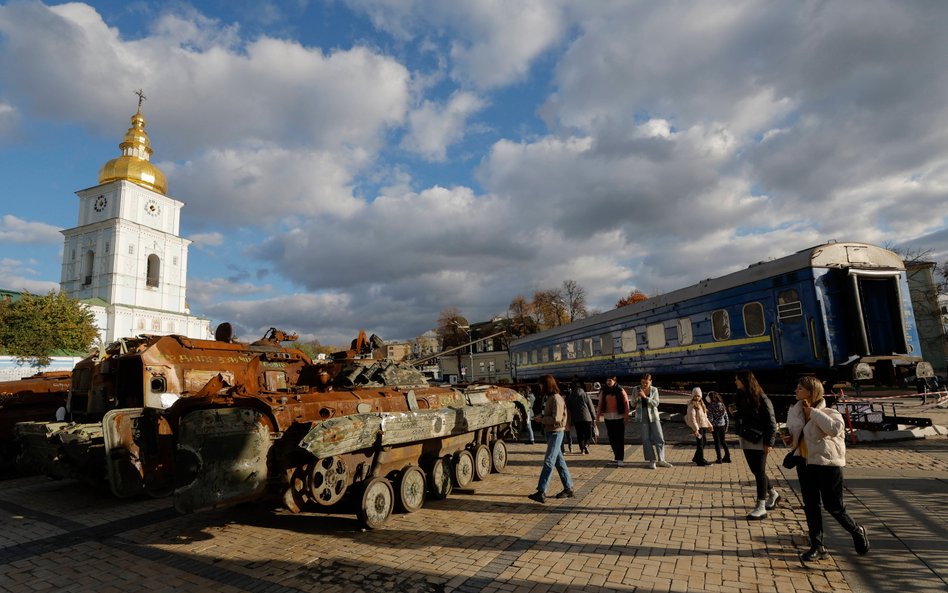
(134, 163)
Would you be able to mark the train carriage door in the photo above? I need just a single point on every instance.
(879, 306)
(791, 329)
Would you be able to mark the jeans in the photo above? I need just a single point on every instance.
(719, 433)
(757, 462)
(554, 457)
(823, 483)
(652, 436)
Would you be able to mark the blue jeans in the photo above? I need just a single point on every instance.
(554, 457)
(652, 435)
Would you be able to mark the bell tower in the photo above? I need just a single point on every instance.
(126, 255)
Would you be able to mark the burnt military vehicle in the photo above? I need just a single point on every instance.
(154, 372)
(353, 428)
(38, 397)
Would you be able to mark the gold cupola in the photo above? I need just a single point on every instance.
(134, 163)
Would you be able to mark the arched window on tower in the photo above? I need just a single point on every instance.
(88, 268)
(154, 271)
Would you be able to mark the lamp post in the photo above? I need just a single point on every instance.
(467, 329)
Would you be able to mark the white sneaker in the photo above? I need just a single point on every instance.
(619, 464)
(664, 463)
(772, 498)
(651, 465)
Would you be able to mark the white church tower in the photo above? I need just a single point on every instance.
(125, 259)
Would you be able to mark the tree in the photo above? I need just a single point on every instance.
(575, 300)
(520, 313)
(453, 330)
(35, 327)
(549, 308)
(636, 296)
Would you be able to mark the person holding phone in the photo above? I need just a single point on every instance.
(653, 439)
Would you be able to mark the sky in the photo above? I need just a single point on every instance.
(365, 164)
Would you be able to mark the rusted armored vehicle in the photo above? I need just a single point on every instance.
(353, 428)
(33, 398)
(154, 372)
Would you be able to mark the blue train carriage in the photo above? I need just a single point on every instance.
(840, 310)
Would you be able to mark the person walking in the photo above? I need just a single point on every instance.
(581, 414)
(758, 429)
(653, 439)
(614, 409)
(696, 417)
(554, 423)
(717, 415)
(531, 399)
(817, 434)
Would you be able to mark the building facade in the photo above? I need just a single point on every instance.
(125, 258)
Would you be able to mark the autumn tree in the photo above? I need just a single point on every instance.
(520, 314)
(636, 296)
(34, 327)
(549, 308)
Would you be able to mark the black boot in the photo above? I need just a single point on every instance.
(814, 553)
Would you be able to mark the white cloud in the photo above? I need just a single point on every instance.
(433, 128)
(17, 230)
(211, 239)
(18, 275)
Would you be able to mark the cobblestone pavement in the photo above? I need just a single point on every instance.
(628, 529)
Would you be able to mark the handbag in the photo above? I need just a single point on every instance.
(751, 434)
(790, 460)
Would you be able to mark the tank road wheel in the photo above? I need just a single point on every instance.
(411, 489)
(481, 462)
(499, 455)
(463, 469)
(328, 480)
(439, 481)
(297, 495)
(378, 500)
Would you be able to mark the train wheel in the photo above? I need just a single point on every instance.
(378, 500)
(440, 479)
(328, 480)
(499, 455)
(297, 495)
(481, 462)
(463, 469)
(411, 489)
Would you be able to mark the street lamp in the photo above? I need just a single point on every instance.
(467, 329)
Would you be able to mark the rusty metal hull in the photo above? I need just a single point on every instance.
(30, 399)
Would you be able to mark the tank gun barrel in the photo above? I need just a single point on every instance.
(465, 345)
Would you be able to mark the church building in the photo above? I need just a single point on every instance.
(125, 258)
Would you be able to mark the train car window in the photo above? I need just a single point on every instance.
(596, 346)
(557, 353)
(570, 350)
(754, 319)
(720, 325)
(628, 341)
(789, 307)
(544, 355)
(685, 335)
(655, 334)
(587, 347)
(607, 345)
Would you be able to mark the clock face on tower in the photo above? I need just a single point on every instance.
(152, 208)
(100, 203)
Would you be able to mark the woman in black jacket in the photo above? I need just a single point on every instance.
(758, 430)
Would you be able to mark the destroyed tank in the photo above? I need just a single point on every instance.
(372, 431)
(148, 371)
(33, 398)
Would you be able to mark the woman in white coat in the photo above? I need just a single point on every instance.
(818, 434)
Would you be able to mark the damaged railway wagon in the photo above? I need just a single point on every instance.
(367, 430)
(154, 372)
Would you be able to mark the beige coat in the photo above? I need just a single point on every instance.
(825, 434)
(554, 413)
(696, 417)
